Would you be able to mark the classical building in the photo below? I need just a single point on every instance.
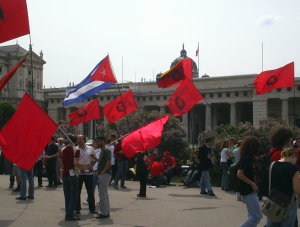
(25, 77)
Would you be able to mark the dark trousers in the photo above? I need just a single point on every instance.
(143, 183)
(169, 175)
(70, 186)
(38, 171)
(51, 171)
(113, 172)
(88, 182)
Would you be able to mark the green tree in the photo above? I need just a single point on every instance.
(172, 138)
(6, 112)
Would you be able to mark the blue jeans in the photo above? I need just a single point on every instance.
(70, 186)
(254, 210)
(121, 172)
(225, 176)
(205, 181)
(289, 221)
(26, 175)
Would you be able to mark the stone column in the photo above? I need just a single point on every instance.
(260, 111)
(285, 110)
(208, 125)
(233, 114)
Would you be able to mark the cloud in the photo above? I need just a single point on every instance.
(267, 20)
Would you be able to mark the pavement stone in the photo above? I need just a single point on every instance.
(164, 206)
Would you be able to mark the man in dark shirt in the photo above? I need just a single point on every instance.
(104, 175)
(204, 157)
(51, 157)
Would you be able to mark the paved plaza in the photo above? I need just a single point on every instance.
(165, 206)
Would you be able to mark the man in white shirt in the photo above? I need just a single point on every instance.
(86, 161)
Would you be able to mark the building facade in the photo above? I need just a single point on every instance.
(26, 76)
(227, 100)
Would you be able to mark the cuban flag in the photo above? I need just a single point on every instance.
(100, 78)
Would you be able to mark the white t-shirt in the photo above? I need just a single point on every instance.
(85, 157)
(224, 156)
(111, 148)
(97, 153)
(236, 153)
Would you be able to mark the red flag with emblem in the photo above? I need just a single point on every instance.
(120, 107)
(26, 134)
(278, 78)
(184, 98)
(11, 72)
(13, 19)
(90, 111)
(146, 137)
(176, 75)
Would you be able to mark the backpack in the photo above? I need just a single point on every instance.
(234, 180)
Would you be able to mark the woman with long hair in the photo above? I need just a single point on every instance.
(285, 178)
(248, 188)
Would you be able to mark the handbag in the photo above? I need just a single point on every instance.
(276, 206)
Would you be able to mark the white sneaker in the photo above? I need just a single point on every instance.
(85, 202)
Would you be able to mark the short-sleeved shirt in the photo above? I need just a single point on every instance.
(105, 156)
(168, 162)
(51, 149)
(205, 162)
(97, 153)
(247, 165)
(224, 156)
(85, 157)
(282, 177)
(156, 168)
(67, 156)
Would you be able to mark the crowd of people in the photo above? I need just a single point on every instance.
(71, 162)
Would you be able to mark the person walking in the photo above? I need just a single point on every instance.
(205, 164)
(248, 188)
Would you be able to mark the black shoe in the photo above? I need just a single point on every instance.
(54, 186)
(77, 212)
(211, 194)
(74, 218)
(101, 216)
(48, 186)
(123, 186)
(204, 192)
(20, 198)
(140, 196)
(93, 212)
(59, 183)
(17, 189)
(40, 185)
(30, 197)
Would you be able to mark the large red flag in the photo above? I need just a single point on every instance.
(13, 19)
(11, 72)
(177, 74)
(146, 137)
(86, 113)
(120, 107)
(278, 78)
(26, 134)
(184, 98)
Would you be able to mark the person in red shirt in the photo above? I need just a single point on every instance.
(280, 137)
(156, 171)
(69, 158)
(169, 164)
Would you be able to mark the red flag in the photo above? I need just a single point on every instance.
(146, 137)
(278, 78)
(26, 134)
(11, 72)
(177, 74)
(104, 72)
(120, 107)
(13, 19)
(86, 113)
(184, 98)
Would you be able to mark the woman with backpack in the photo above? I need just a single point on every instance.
(248, 188)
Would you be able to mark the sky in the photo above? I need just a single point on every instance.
(75, 35)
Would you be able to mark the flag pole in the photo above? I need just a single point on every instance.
(198, 61)
(66, 135)
(294, 107)
(31, 64)
(262, 56)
